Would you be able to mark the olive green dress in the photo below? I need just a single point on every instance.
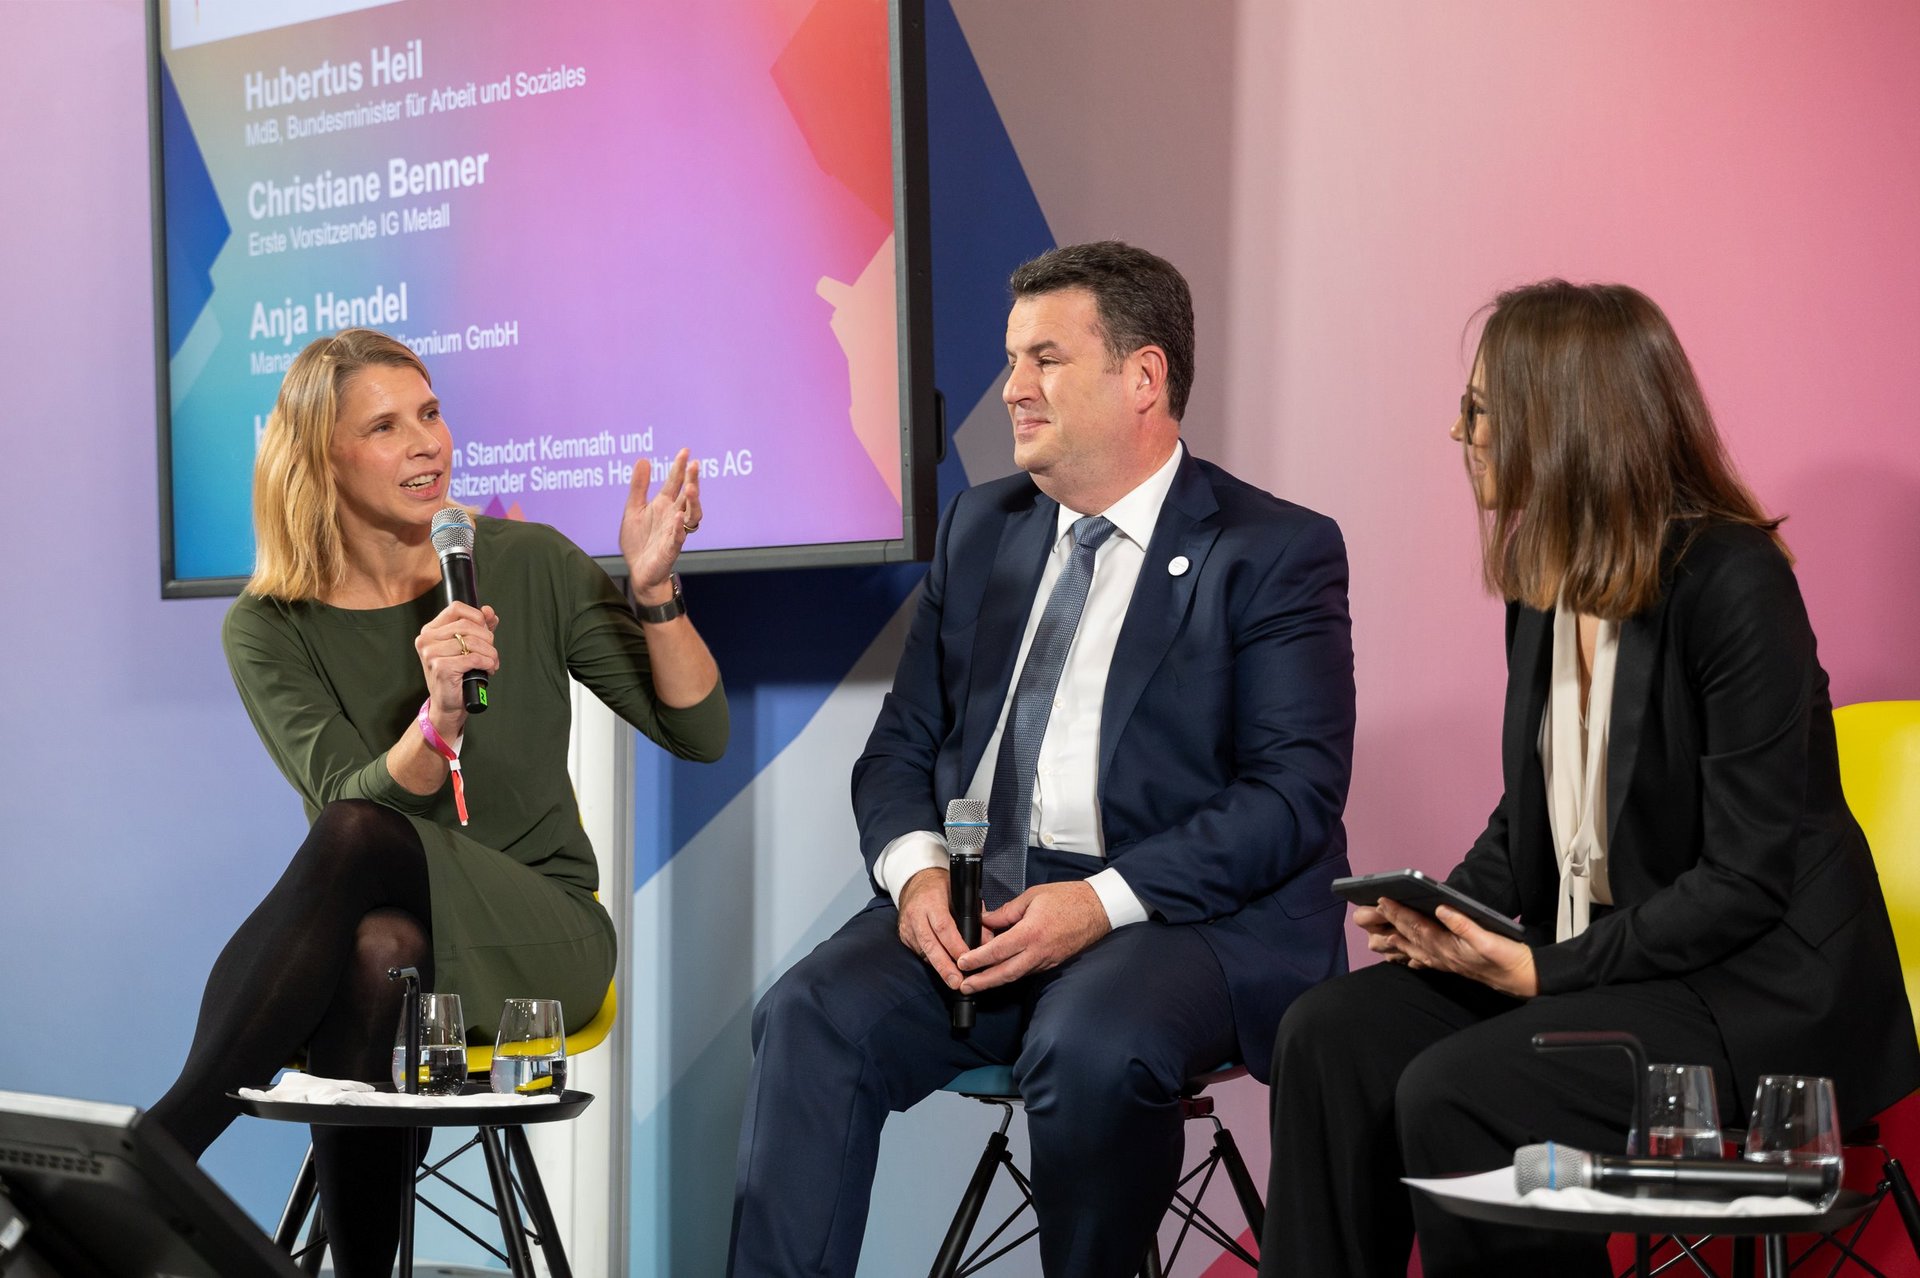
(331, 689)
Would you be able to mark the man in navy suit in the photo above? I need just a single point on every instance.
(1175, 821)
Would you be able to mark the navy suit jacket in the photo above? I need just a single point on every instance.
(1226, 732)
(1734, 863)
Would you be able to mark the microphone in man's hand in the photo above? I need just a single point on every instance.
(1555, 1166)
(452, 534)
(966, 836)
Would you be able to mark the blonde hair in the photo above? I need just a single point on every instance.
(299, 552)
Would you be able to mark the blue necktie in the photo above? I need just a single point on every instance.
(1010, 806)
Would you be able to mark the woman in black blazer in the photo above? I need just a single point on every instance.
(1689, 872)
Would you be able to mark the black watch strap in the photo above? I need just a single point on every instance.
(674, 607)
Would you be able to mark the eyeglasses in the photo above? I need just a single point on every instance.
(1470, 412)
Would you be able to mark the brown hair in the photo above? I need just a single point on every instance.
(298, 550)
(1601, 443)
(1142, 300)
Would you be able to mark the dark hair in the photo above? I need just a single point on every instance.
(1141, 299)
(1601, 443)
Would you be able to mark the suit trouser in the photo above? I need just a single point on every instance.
(1100, 1047)
(1386, 1073)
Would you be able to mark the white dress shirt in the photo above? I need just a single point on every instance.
(1065, 815)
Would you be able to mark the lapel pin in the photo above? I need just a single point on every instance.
(1177, 566)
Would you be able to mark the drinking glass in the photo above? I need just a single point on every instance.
(530, 1054)
(443, 1046)
(1795, 1121)
(1683, 1119)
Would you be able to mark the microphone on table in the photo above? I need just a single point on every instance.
(966, 836)
(452, 534)
(1556, 1166)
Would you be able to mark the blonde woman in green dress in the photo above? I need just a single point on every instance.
(350, 667)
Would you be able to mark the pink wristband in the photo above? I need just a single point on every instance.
(439, 746)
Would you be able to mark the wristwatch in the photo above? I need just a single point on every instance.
(674, 607)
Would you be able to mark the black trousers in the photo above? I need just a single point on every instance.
(1386, 1073)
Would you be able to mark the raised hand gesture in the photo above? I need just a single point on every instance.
(652, 530)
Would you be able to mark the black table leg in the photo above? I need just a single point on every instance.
(519, 1259)
(410, 1152)
(551, 1246)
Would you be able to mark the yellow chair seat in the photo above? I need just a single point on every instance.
(1880, 772)
(592, 1034)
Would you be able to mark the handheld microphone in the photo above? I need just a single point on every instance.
(1555, 1166)
(452, 534)
(966, 835)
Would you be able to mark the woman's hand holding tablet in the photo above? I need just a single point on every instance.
(1418, 891)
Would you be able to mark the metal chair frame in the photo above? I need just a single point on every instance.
(954, 1260)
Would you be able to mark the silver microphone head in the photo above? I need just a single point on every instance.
(1551, 1166)
(966, 826)
(452, 532)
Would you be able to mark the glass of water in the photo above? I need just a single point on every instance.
(1795, 1121)
(1683, 1118)
(530, 1054)
(443, 1046)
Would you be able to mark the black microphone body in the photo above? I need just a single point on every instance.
(1554, 1166)
(453, 539)
(963, 898)
(966, 833)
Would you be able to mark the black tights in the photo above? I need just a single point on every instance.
(308, 969)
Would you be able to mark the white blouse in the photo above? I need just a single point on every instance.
(1573, 753)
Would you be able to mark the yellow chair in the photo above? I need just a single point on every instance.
(1879, 745)
(1880, 772)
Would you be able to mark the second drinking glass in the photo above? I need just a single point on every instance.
(530, 1055)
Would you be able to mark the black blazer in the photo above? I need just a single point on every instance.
(1734, 863)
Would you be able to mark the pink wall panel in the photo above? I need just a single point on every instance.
(1750, 166)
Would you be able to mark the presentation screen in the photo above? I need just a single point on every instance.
(611, 229)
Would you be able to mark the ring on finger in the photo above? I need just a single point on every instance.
(693, 527)
(462, 641)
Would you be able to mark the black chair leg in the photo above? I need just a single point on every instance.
(544, 1224)
(954, 1246)
(1243, 1188)
(519, 1259)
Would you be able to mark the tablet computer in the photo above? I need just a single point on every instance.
(1419, 892)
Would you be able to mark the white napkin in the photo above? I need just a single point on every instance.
(1497, 1186)
(310, 1089)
